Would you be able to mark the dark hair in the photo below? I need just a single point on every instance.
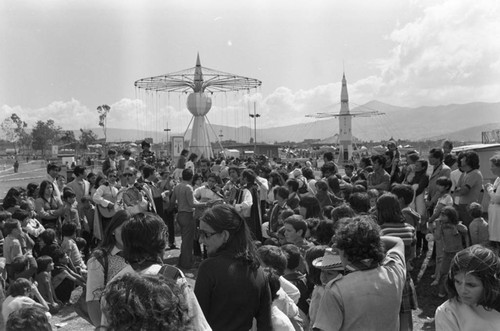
(482, 263)
(328, 156)
(437, 153)
(109, 240)
(148, 170)
(97, 180)
(389, 209)
(79, 170)
(90, 175)
(275, 179)
(31, 189)
(48, 236)
(451, 213)
(53, 166)
(68, 229)
(20, 214)
(312, 206)
(379, 159)
(111, 152)
(127, 152)
(329, 168)
(321, 185)
(366, 160)
(293, 184)
(325, 231)
(19, 264)
(249, 176)
(184, 152)
(187, 174)
(475, 210)
(57, 255)
(282, 192)
(334, 184)
(308, 173)
(326, 211)
(145, 302)
(192, 157)
(43, 187)
(68, 194)
(9, 226)
(225, 218)
(359, 202)
(43, 262)
(274, 257)
(403, 191)
(5, 215)
(424, 164)
(19, 287)
(342, 211)
(471, 158)
(445, 182)
(359, 238)
(312, 254)
(273, 279)
(298, 223)
(144, 238)
(28, 319)
(293, 256)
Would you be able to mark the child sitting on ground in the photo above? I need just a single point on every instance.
(44, 280)
(478, 228)
(12, 244)
(64, 279)
(24, 266)
(70, 247)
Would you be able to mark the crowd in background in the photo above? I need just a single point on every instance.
(275, 246)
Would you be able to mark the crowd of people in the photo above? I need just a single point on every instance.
(275, 246)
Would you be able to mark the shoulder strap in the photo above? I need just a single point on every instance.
(170, 272)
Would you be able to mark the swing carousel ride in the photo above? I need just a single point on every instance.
(199, 84)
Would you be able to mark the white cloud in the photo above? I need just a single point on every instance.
(448, 54)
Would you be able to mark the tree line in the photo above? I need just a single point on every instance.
(42, 135)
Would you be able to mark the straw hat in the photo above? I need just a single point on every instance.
(330, 260)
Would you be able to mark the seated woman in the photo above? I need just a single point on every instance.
(20, 296)
(49, 210)
(64, 278)
(472, 285)
(145, 302)
(44, 280)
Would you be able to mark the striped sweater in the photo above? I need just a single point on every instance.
(401, 230)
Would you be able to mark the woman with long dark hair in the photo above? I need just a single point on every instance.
(231, 287)
(106, 261)
(47, 208)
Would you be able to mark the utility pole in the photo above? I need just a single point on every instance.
(166, 130)
(254, 116)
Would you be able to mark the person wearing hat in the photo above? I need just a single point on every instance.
(369, 297)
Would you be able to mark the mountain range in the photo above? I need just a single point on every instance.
(458, 122)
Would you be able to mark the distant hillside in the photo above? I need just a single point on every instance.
(458, 122)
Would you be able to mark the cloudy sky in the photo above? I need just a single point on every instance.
(61, 59)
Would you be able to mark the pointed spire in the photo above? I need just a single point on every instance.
(198, 75)
(344, 97)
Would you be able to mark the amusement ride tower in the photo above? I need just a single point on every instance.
(200, 83)
(345, 123)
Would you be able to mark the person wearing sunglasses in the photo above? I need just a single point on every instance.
(231, 287)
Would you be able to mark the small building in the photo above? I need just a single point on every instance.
(271, 151)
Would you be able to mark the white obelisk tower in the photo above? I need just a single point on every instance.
(345, 125)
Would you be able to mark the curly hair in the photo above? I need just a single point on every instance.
(145, 302)
(28, 319)
(482, 263)
(359, 238)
